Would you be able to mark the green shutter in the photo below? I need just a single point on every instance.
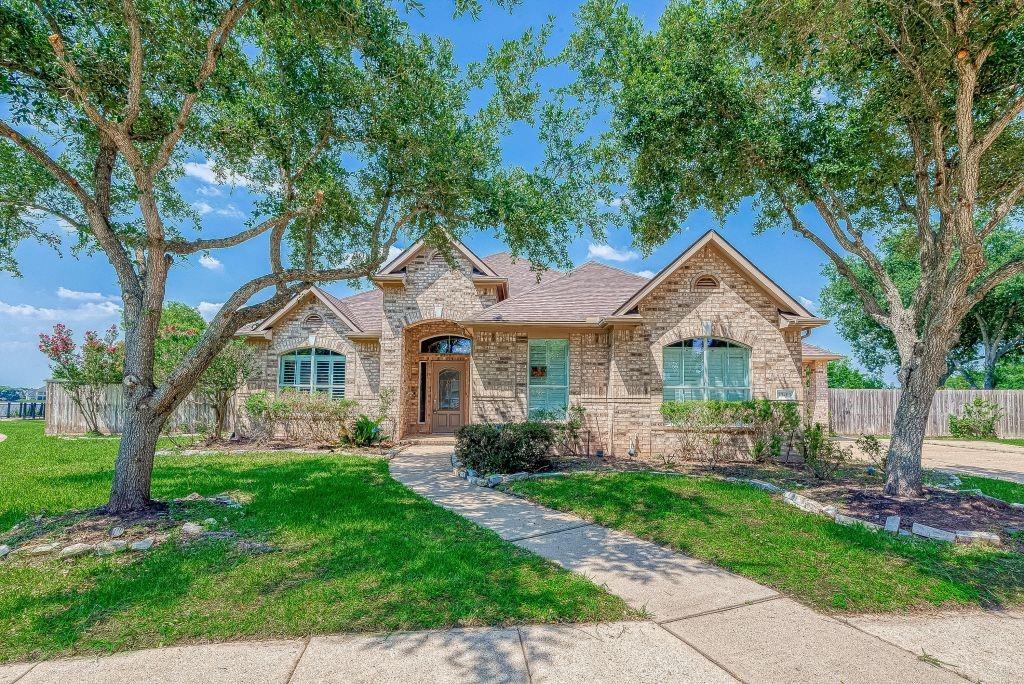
(548, 377)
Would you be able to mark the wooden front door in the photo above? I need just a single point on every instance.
(449, 397)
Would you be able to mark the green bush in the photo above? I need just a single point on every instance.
(366, 431)
(299, 417)
(978, 421)
(505, 447)
(821, 452)
(772, 423)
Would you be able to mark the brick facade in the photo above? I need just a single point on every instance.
(615, 371)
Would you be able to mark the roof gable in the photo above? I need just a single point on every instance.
(330, 302)
(395, 265)
(743, 264)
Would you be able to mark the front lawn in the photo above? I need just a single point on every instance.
(829, 566)
(358, 552)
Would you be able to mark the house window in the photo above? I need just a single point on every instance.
(706, 368)
(446, 344)
(548, 379)
(312, 370)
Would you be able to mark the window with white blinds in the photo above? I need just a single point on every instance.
(548, 379)
(706, 368)
(313, 370)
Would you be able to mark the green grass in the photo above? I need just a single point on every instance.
(1000, 489)
(360, 552)
(829, 566)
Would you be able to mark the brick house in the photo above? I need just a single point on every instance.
(489, 339)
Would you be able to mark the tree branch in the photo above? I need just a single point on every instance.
(131, 19)
(193, 246)
(1003, 209)
(55, 169)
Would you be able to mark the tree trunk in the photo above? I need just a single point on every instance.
(133, 469)
(903, 462)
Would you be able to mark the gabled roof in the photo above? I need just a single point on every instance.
(785, 302)
(395, 265)
(332, 303)
(585, 294)
(366, 309)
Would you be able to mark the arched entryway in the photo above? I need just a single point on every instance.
(435, 373)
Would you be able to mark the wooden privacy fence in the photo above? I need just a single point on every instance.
(870, 412)
(64, 418)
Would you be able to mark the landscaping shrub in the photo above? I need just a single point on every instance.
(299, 417)
(872, 449)
(820, 450)
(366, 431)
(978, 421)
(771, 423)
(505, 447)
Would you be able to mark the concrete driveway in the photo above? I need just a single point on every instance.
(986, 459)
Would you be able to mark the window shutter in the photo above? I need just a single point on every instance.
(288, 371)
(549, 393)
(304, 371)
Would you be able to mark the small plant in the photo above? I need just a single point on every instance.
(979, 420)
(771, 425)
(872, 450)
(821, 452)
(366, 431)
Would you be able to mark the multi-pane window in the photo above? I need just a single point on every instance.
(313, 370)
(706, 368)
(548, 378)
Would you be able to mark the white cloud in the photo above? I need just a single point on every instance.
(207, 261)
(205, 172)
(393, 253)
(645, 273)
(202, 207)
(209, 191)
(230, 210)
(209, 309)
(79, 296)
(609, 253)
(810, 304)
(88, 311)
(66, 227)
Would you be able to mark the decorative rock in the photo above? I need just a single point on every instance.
(767, 486)
(109, 548)
(191, 529)
(4, 550)
(462, 473)
(194, 496)
(974, 536)
(75, 550)
(906, 533)
(802, 502)
(43, 548)
(494, 480)
(955, 481)
(1017, 506)
(892, 523)
(830, 510)
(932, 532)
(471, 473)
(847, 520)
(516, 477)
(210, 521)
(116, 532)
(142, 545)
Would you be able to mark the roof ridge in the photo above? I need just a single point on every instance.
(617, 268)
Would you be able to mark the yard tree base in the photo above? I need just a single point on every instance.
(133, 470)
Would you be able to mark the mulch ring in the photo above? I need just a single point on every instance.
(944, 510)
(91, 526)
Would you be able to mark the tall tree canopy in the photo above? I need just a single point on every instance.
(990, 333)
(873, 117)
(352, 131)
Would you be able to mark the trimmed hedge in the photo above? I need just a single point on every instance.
(505, 447)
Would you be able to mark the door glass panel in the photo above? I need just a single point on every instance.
(448, 390)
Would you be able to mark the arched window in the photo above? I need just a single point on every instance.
(312, 370)
(706, 368)
(446, 344)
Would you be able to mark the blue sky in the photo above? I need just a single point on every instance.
(82, 292)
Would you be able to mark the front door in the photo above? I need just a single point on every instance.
(449, 397)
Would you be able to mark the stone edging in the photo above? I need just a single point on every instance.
(892, 523)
